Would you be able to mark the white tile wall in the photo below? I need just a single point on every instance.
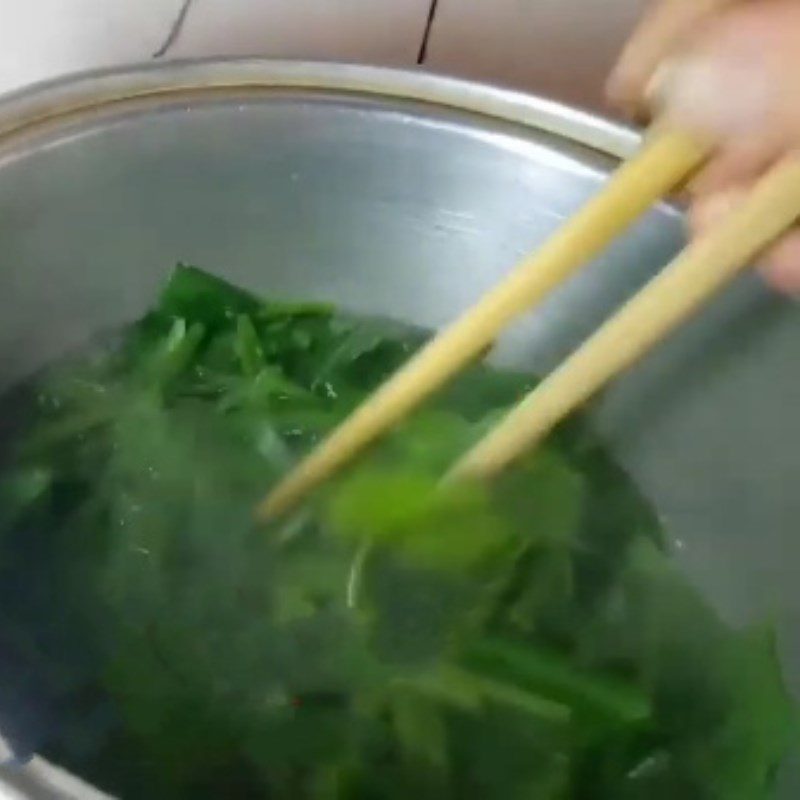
(43, 38)
(377, 31)
(562, 48)
(559, 48)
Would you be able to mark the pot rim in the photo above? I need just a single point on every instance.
(85, 94)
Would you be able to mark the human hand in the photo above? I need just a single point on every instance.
(730, 68)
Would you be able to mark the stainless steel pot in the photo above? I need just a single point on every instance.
(402, 194)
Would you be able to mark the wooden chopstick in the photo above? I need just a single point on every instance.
(666, 301)
(666, 160)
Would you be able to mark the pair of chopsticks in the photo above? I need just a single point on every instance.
(666, 160)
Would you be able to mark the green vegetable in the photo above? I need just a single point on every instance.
(393, 639)
(444, 528)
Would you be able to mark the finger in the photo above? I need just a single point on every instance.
(738, 163)
(715, 93)
(710, 210)
(780, 266)
(663, 30)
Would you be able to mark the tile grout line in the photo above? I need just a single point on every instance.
(174, 30)
(426, 36)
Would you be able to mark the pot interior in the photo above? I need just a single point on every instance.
(412, 210)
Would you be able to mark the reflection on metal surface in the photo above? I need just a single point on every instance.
(49, 101)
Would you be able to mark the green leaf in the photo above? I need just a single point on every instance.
(555, 677)
(175, 353)
(545, 496)
(200, 297)
(450, 528)
(420, 730)
(20, 491)
(248, 347)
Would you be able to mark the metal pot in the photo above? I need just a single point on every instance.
(404, 194)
